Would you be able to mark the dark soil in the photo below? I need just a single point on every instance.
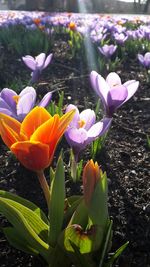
(125, 158)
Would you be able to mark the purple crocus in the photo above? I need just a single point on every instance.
(37, 64)
(107, 50)
(18, 106)
(120, 38)
(83, 129)
(111, 91)
(144, 59)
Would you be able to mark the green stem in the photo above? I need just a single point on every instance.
(44, 186)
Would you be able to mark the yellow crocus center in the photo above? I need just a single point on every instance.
(16, 98)
(81, 123)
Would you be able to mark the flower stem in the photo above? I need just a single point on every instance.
(44, 186)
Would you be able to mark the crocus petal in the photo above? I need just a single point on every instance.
(76, 118)
(132, 87)
(98, 129)
(76, 138)
(141, 59)
(25, 104)
(30, 62)
(8, 94)
(113, 79)
(40, 59)
(45, 100)
(147, 59)
(116, 97)
(102, 88)
(5, 108)
(33, 155)
(29, 89)
(89, 117)
(94, 81)
(33, 120)
(47, 61)
(7, 111)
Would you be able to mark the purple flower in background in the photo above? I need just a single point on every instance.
(120, 38)
(111, 91)
(37, 64)
(144, 60)
(107, 50)
(18, 106)
(83, 129)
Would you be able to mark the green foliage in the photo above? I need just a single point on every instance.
(72, 232)
(57, 203)
(148, 141)
(27, 224)
(54, 108)
(98, 145)
(75, 167)
(24, 41)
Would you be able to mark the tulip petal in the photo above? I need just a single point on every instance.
(33, 120)
(8, 134)
(11, 122)
(91, 175)
(64, 122)
(33, 155)
(47, 131)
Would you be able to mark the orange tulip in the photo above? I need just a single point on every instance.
(91, 175)
(72, 26)
(35, 139)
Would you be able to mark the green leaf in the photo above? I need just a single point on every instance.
(21, 225)
(98, 207)
(39, 226)
(118, 252)
(71, 204)
(25, 203)
(82, 260)
(57, 203)
(87, 240)
(106, 244)
(80, 215)
(18, 241)
(59, 258)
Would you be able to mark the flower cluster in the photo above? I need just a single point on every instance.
(76, 226)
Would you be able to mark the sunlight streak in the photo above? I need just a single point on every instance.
(90, 56)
